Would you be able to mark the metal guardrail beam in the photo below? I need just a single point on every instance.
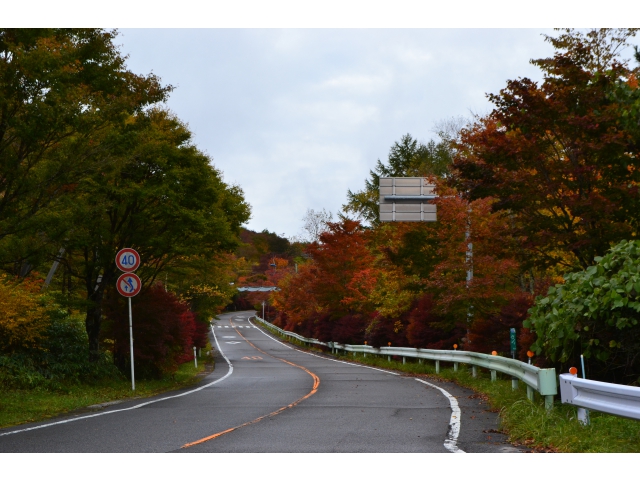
(620, 400)
(543, 380)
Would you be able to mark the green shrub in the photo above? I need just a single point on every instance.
(61, 359)
(595, 313)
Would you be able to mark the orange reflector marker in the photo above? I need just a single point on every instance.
(529, 354)
(389, 343)
(573, 371)
(494, 353)
(455, 346)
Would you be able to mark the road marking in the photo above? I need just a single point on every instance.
(136, 406)
(232, 343)
(450, 442)
(454, 422)
(229, 336)
(251, 358)
(316, 384)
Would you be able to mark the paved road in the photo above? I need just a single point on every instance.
(265, 396)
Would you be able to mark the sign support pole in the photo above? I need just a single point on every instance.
(133, 378)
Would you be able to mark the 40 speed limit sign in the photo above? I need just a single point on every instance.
(127, 260)
(129, 285)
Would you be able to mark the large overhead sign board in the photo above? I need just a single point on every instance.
(407, 199)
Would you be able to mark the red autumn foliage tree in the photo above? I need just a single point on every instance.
(327, 297)
(164, 331)
(559, 156)
(494, 269)
(427, 330)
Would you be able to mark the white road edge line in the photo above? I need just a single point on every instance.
(136, 406)
(451, 441)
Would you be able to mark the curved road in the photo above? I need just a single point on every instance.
(266, 396)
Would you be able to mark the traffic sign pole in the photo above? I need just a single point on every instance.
(128, 285)
(133, 376)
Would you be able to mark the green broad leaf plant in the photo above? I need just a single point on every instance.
(594, 313)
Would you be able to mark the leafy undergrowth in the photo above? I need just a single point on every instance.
(527, 423)
(21, 406)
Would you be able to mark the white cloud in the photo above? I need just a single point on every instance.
(358, 84)
(296, 117)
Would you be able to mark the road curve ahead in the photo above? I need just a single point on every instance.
(266, 396)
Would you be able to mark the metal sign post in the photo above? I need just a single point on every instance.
(512, 337)
(129, 285)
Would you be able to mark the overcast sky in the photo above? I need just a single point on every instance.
(297, 117)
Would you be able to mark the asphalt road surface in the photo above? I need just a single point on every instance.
(267, 396)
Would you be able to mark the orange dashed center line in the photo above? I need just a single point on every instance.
(316, 384)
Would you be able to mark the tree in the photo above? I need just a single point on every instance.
(159, 195)
(59, 89)
(333, 289)
(24, 318)
(560, 157)
(460, 301)
(407, 158)
(315, 223)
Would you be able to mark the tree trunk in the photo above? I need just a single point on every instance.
(93, 322)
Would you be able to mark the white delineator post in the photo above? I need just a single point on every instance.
(195, 359)
(133, 376)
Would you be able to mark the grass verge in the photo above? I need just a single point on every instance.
(526, 423)
(22, 406)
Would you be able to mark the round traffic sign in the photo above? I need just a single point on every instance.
(129, 285)
(128, 260)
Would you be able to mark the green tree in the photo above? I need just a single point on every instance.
(58, 89)
(407, 158)
(158, 194)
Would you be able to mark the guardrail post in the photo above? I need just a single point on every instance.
(493, 375)
(548, 402)
(514, 383)
(420, 361)
(530, 393)
(404, 360)
(389, 357)
(437, 366)
(474, 371)
(583, 416)
(455, 366)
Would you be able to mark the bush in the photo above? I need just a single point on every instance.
(61, 359)
(164, 332)
(23, 316)
(594, 313)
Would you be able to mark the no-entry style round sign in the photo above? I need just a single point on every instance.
(129, 285)
(127, 260)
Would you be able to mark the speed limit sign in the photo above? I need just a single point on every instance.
(129, 285)
(128, 260)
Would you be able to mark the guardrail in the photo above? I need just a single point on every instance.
(542, 380)
(620, 400)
